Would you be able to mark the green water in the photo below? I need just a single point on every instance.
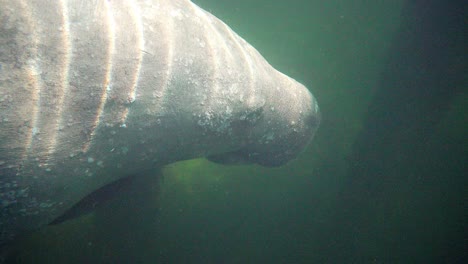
(383, 181)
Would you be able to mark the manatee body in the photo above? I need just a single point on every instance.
(92, 91)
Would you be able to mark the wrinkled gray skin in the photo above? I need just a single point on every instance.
(92, 91)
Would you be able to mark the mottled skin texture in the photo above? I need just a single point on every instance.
(92, 91)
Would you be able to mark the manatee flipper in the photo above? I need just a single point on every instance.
(129, 187)
(97, 199)
(132, 220)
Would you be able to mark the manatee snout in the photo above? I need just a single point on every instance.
(284, 127)
(293, 128)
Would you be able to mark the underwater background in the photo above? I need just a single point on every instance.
(384, 180)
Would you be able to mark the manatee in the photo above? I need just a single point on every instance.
(94, 91)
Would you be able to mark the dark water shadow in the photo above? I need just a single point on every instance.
(402, 199)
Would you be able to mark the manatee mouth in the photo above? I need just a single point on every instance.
(242, 157)
(230, 158)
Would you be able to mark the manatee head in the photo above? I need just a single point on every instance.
(283, 123)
